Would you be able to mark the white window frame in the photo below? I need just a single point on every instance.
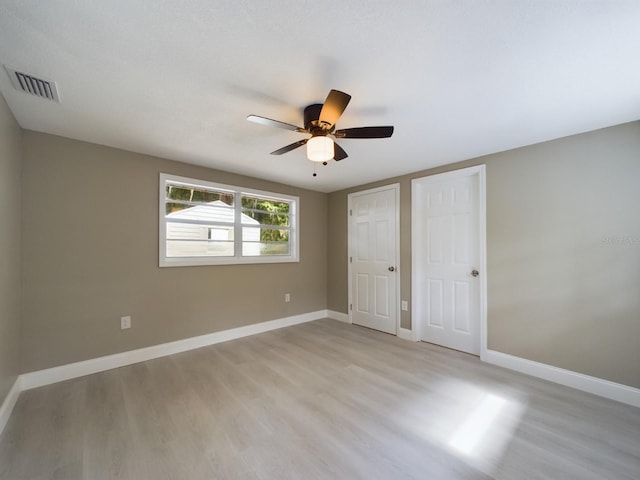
(238, 192)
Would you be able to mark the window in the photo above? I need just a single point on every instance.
(203, 223)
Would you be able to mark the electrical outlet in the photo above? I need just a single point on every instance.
(405, 305)
(287, 297)
(125, 322)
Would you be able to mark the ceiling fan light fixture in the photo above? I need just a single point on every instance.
(320, 148)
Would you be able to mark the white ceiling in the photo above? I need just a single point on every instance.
(458, 79)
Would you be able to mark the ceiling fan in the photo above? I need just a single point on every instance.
(320, 122)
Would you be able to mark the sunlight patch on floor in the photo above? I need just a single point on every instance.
(474, 424)
(478, 425)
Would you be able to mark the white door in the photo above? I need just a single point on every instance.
(373, 258)
(447, 251)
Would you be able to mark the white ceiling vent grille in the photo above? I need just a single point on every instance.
(38, 86)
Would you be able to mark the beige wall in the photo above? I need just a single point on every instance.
(563, 239)
(563, 248)
(10, 177)
(90, 244)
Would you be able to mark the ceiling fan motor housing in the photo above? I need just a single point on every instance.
(311, 116)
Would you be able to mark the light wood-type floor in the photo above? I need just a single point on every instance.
(321, 400)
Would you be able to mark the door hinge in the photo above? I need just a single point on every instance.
(350, 259)
(351, 306)
(350, 212)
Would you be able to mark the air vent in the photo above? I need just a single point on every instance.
(38, 86)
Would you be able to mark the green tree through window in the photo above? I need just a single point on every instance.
(269, 213)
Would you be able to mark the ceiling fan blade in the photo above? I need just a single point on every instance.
(275, 123)
(288, 148)
(338, 152)
(365, 132)
(333, 107)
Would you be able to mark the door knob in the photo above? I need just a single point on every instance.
(475, 273)
(392, 269)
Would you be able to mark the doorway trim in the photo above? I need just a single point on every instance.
(480, 171)
(396, 188)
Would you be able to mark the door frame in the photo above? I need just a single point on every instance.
(396, 188)
(480, 172)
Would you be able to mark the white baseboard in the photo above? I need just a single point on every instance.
(9, 402)
(579, 381)
(406, 334)
(100, 364)
(341, 317)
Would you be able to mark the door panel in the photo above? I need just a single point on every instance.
(362, 293)
(446, 249)
(461, 307)
(362, 242)
(382, 296)
(435, 302)
(373, 250)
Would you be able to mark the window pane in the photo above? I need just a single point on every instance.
(250, 234)
(264, 211)
(217, 211)
(265, 241)
(269, 235)
(199, 248)
(193, 240)
(187, 197)
(257, 203)
(190, 231)
(250, 217)
(255, 249)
